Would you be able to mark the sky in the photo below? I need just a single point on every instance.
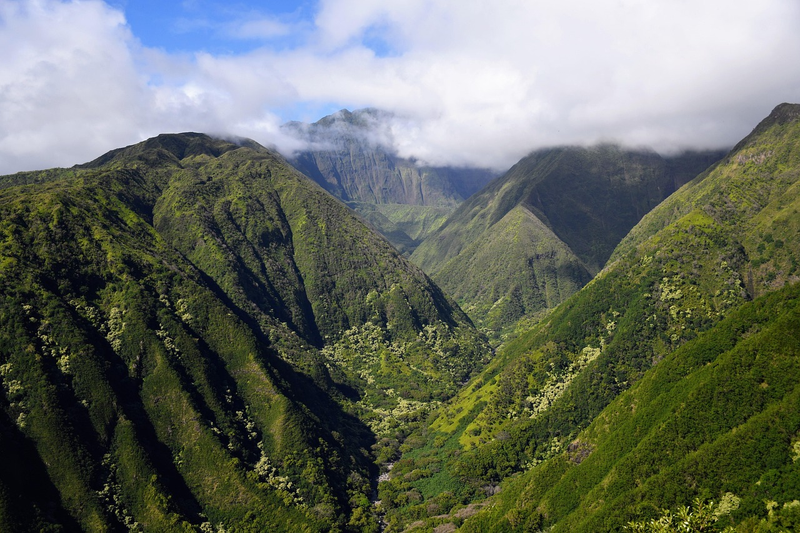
(467, 82)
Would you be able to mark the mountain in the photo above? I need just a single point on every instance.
(350, 156)
(534, 236)
(670, 380)
(194, 336)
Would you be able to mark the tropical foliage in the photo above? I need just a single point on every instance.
(195, 337)
(669, 377)
(170, 316)
(536, 235)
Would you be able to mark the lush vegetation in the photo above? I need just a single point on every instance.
(715, 417)
(518, 268)
(195, 337)
(670, 376)
(175, 319)
(536, 235)
(403, 225)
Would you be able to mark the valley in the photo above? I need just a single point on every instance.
(199, 334)
(350, 155)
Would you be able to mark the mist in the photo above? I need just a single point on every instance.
(460, 82)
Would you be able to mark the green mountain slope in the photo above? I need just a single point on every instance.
(515, 269)
(716, 420)
(580, 202)
(175, 319)
(404, 225)
(348, 158)
(712, 376)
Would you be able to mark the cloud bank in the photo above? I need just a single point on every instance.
(468, 82)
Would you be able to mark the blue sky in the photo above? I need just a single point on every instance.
(193, 25)
(467, 82)
(217, 27)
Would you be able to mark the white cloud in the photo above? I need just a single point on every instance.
(262, 28)
(470, 82)
(66, 82)
(74, 83)
(490, 82)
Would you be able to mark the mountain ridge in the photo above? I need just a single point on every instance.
(670, 376)
(350, 155)
(587, 198)
(174, 320)
(195, 336)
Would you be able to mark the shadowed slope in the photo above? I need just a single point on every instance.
(581, 201)
(166, 311)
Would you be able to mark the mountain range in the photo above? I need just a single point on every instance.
(537, 234)
(350, 155)
(182, 324)
(196, 336)
(667, 386)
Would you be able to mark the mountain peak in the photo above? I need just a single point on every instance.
(342, 124)
(360, 117)
(784, 113)
(177, 145)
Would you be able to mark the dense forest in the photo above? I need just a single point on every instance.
(196, 336)
(670, 377)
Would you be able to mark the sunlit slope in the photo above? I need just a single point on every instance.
(717, 420)
(580, 203)
(516, 268)
(168, 317)
(673, 303)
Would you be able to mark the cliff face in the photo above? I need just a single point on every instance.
(350, 159)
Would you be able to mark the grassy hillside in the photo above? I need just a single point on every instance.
(579, 203)
(176, 320)
(710, 374)
(515, 269)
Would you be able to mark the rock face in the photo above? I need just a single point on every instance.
(350, 157)
(168, 319)
(537, 234)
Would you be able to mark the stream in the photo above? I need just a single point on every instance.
(374, 496)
